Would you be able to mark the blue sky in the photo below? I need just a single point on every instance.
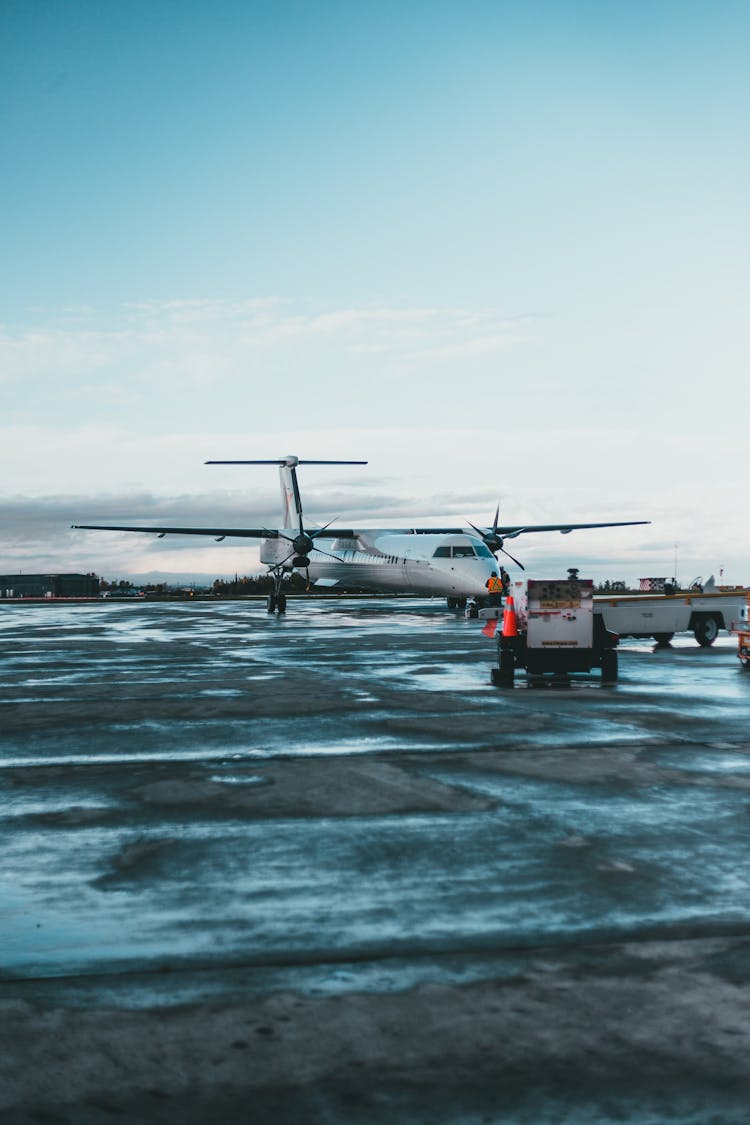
(499, 249)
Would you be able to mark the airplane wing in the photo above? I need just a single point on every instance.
(564, 528)
(217, 532)
(507, 531)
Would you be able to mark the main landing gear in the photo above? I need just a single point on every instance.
(276, 602)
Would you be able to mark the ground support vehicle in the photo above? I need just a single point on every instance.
(662, 615)
(743, 636)
(554, 632)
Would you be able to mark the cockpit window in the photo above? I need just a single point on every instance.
(464, 551)
(483, 551)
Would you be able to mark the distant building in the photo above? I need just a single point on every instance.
(49, 586)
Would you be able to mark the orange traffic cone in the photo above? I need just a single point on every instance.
(510, 624)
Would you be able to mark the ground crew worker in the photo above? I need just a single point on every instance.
(494, 586)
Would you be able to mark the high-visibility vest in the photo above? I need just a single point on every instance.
(494, 585)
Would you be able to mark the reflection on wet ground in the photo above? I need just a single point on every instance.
(192, 785)
(319, 865)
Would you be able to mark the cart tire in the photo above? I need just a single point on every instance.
(705, 631)
(609, 666)
(745, 661)
(663, 639)
(507, 669)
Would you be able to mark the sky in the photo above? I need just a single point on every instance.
(499, 250)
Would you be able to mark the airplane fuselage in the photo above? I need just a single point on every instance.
(377, 562)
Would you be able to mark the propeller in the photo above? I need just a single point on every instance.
(495, 541)
(302, 544)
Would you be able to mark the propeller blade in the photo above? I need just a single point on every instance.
(479, 532)
(497, 517)
(515, 560)
(328, 555)
(490, 539)
(325, 527)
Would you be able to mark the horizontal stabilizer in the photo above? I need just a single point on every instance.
(291, 462)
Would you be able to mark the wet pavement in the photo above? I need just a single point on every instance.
(201, 802)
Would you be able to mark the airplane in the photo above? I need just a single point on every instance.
(450, 562)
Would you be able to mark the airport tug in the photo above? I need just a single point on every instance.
(549, 627)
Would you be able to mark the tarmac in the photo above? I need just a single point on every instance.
(318, 869)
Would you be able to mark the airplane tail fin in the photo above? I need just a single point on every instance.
(291, 502)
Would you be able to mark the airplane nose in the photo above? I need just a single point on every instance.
(476, 577)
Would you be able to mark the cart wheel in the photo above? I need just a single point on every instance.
(705, 631)
(663, 639)
(507, 669)
(745, 660)
(609, 666)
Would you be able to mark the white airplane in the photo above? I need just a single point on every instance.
(447, 561)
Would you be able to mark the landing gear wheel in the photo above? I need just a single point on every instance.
(745, 660)
(663, 639)
(705, 631)
(609, 666)
(452, 603)
(472, 610)
(281, 603)
(271, 603)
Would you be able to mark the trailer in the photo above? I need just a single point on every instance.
(704, 612)
(554, 631)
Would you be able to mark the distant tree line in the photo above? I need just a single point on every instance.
(237, 587)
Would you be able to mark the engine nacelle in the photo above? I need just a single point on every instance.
(273, 552)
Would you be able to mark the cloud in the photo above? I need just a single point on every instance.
(35, 533)
(176, 346)
(127, 442)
